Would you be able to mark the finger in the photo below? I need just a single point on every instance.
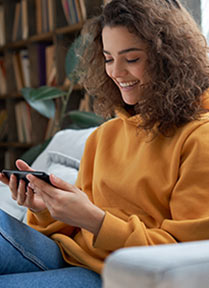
(41, 186)
(29, 197)
(61, 184)
(22, 165)
(21, 195)
(4, 179)
(13, 186)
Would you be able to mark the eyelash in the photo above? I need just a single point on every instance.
(128, 61)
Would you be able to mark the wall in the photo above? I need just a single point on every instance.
(194, 8)
(205, 18)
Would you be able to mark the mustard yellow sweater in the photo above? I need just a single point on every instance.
(153, 192)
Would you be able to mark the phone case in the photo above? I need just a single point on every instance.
(22, 175)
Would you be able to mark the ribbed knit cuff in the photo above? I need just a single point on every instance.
(112, 234)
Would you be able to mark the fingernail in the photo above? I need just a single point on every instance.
(29, 177)
(54, 177)
(31, 185)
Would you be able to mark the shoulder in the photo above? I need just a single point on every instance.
(195, 135)
(107, 128)
(196, 127)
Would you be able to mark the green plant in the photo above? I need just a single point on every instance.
(42, 99)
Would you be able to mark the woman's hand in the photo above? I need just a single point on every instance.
(23, 197)
(68, 204)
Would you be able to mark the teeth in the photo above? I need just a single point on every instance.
(128, 84)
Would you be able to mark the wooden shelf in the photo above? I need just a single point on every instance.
(35, 42)
(42, 37)
(14, 95)
(69, 29)
(15, 145)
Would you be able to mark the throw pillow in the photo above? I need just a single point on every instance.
(62, 166)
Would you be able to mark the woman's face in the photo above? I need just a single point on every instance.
(125, 61)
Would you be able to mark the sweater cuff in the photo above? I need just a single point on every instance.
(42, 218)
(112, 234)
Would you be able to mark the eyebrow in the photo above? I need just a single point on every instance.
(124, 51)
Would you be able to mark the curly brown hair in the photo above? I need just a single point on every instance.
(177, 62)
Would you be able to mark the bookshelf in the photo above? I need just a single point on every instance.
(34, 38)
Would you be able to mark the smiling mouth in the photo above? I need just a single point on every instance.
(128, 84)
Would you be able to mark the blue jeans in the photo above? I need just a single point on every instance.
(30, 259)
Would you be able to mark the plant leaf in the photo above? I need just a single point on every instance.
(72, 59)
(44, 107)
(85, 119)
(44, 93)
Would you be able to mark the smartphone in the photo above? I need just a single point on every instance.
(22, 175)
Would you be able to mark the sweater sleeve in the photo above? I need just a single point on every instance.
(189, 204)
(44, 223)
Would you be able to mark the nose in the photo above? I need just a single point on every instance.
(117, 70)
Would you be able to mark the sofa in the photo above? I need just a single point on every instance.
(183, 265)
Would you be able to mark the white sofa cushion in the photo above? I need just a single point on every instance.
(69, 142)
(9, 205)
(183, 265)
(63, 166)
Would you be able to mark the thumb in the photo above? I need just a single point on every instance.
(59, 183)
(22, 165)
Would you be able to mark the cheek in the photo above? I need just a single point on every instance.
(108, 71)
(139, 74)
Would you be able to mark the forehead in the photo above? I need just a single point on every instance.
(119, 37)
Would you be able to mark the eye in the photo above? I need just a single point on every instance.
(108, 61)
(133, 60)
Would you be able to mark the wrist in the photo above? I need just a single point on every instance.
(95, 219)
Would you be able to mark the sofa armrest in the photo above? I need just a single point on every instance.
(176, 265)
(9, 205)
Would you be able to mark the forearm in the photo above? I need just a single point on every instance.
(94, 220)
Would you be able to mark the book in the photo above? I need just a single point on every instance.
(52, 80)
(51, 15)
(2, 26)
(31, 17)
(25, 27)
(45, 16)
(26, 120)
(60, 18)
(19, 28)
(38, 17)
(19, 123)
(66, 10)
(3, 124)
(16, 21)
(18, 70)
(50, 64)
(83, 9)
(23, 120)
(49, 129)
(72, 12)
(75, 11)
(25, 63)
(42, 63)
(78, 10)
(90, 8)
(3, 86)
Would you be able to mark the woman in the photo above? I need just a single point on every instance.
(143, 175)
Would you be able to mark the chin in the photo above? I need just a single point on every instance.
(130, 100)
(131, 103)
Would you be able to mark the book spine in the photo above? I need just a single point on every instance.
(42, 63)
